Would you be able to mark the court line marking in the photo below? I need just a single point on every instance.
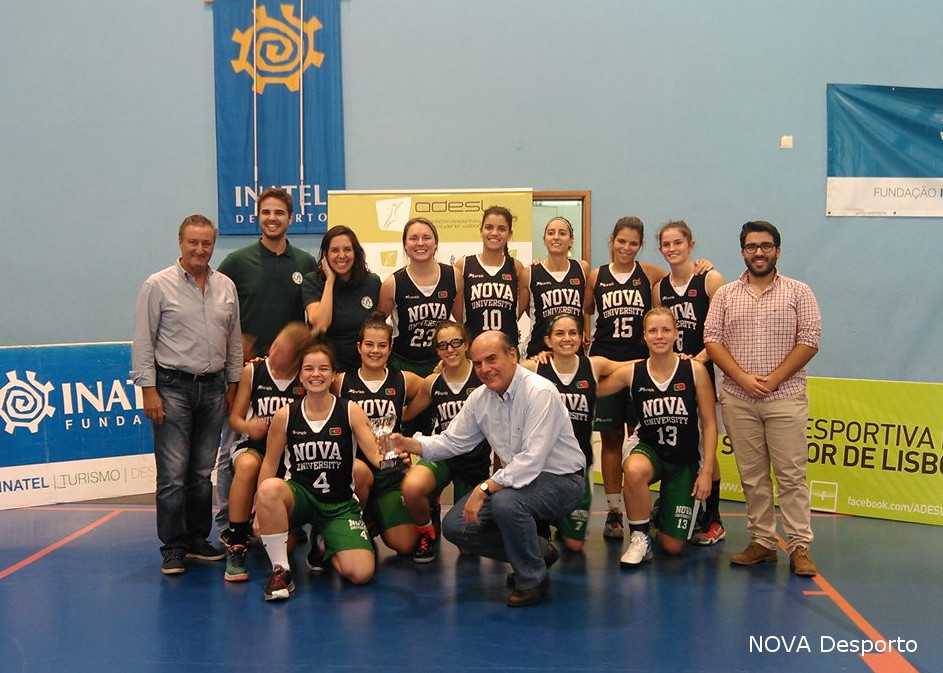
(879, 662)
(56, 545)
(99, 508)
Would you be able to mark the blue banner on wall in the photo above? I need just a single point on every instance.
(885, 151)
(279, 108)
(72, 425)
(65, 403)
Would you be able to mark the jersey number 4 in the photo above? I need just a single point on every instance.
(321, 483)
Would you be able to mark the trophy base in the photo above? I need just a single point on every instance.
(391, 465)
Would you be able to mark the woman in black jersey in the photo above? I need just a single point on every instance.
(575, 375)
(443, 394)
(621, 293)
(687, 295)
(493, 286)
(417, 297)
(266, 385)
(674, 400)
(557, 284)
(381, 391)
(316, 438)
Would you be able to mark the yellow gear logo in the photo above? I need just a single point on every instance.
(279, 46)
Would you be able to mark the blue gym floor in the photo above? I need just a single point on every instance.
(81, 590)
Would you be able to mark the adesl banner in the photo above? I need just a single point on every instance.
(885, 151)
(378, 218)
(279, 112)
(875, 449)
(72, 425)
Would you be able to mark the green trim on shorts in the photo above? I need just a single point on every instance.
(573, 526)
(676, 505)
(339, 523)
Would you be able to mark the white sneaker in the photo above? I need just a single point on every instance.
(639, 550)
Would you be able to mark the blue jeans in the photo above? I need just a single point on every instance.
(508, 528)
(224, 476)
(185, 446)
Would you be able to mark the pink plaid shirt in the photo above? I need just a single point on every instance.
(760, 331)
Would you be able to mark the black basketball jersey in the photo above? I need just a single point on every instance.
(267, 398)
(389, 399)
(322, 459)
(471, 467)
(417, 314)
(620, 308)
(689, 309)
(579, 398)
(550, 298)
(667, 413)
(490, 300)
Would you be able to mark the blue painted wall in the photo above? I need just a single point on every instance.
(663, 110)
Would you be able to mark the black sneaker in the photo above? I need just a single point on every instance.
(204, 551)
(300, 535)
(315, 558)
(224, 537)
(425, 548)
(279, 586)
(174, 562)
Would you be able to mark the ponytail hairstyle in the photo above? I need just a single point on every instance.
(377, 321)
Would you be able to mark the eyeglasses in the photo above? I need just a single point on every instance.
(454, 343)
(766, 246)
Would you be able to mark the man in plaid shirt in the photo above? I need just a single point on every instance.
(762, 330)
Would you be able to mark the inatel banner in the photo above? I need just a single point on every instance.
(279, 110)
(73, 425)
(885, 151)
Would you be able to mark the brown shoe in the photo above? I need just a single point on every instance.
(753, 554)
(522, 598)
(801, 563)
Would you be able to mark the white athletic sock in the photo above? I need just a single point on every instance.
(614, 502)
(276, 546)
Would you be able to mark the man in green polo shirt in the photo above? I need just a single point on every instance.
(268, 275)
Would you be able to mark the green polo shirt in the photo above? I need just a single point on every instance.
(269, 288)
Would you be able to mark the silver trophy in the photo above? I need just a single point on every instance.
(383, 427)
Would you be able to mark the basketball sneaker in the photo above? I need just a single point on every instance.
(613, 528)
(236, 564)
(639, 550)
(280, 585)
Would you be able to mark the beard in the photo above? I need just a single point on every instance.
(771, 266)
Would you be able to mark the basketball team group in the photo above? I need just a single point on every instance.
(325, 397)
